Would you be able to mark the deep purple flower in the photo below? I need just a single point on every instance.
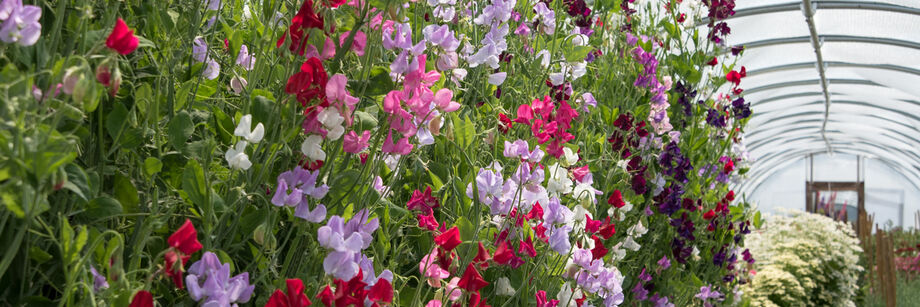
(715, 118)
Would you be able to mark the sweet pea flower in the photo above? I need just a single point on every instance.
(431, 270)
(503, 287)
(559, 182)
(244, 129)
(199, 49)
(354, 143)
(443, 9)
(294, 297)
(237, 84)
(209, 282)
(559, 239)
(122, 39)
(21, 24)
(237, 157)
(211, 69)
(142, 298)
(99, 281)
(312, 149)
(346, 240)
(244, 59)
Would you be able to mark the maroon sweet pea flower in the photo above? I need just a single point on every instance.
(449, 239)
(309, 83)
(294, 298)
(423, 201)
(122, 39)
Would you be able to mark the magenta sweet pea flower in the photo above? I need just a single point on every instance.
(354, 143)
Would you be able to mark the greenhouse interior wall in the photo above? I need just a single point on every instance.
(886, 189)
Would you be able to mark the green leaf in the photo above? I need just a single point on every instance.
(365, 121)
(102, 207)
(757, 220)
(379, 82)
(467, 230)
(126, 193)
(152, 166)
(180, 129)
(342, 183)
(262, 111)
(193, 183)
(115, 120)
(39, 255)
(578, 53)
(464, 131)
(77, 182)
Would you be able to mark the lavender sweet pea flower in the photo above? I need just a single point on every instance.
(347, 240)
(99, 281)
(21, 24)
(209, 282)
(559, 239)
(244, 59)
(199, 49)
(211, 69)
(664, 263)
(293, 188)
(441, 36)
(555, 213)
(489, 185)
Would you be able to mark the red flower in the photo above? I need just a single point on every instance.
(592, 225)
(709, 214)
(540, 232)
(599, 250)
(449, 239)
(616, 199)
(526, 248)
(608, 229)
(423, 201)
(735, 77)
(142, 298)
(427, 221)
(504, 123)
(713, 62)
(309, 82)
(476, 300)
(471, 280)
(730, 196)
(349, 293)
(185, 239)
(729, 167)
(306, 18)
(503, 254)
(482, 256)
(334, 3)
(326, 296)
(122, 39)
(542, 302)
(381, 292)
(175, 265)
(536, 212)
(294, 297)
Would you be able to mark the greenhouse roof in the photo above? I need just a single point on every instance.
(830, 76)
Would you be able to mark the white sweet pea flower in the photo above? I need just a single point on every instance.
(244, 129)
(237, 157)
(559, 182)
(332, 122)
(497, 78)
(567, 296)
(586, 193)
(637, 230)
(312, 149)
(631, 244)
(543, 55)
(569, 157)
(503, 287)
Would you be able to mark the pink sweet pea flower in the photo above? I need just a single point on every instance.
(357, 44)
(443, 100)
(430, 269)
(402, 147)
(354, 143)
(339, 97)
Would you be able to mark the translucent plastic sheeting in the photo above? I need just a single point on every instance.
(867, 23)
(751, 28)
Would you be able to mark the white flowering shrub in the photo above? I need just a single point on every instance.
(804, 259)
